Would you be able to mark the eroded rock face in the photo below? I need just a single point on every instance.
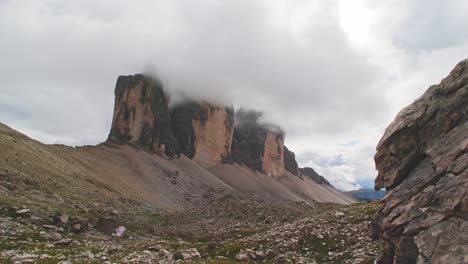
(290, 163)
(312, 174)
(141, 115)
(259, 147)
(204, 131)
(422, 160)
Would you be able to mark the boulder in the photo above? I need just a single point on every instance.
(52, 236)
(79, 226)
(23, 212)
(107, 225)
(187, 254)
(59, 218)
(422, 161)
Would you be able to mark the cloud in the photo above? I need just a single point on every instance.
(424, 25)
(292, 60)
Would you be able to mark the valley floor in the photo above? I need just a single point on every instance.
(229, 231)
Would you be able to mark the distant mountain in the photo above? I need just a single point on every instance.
(367, 194)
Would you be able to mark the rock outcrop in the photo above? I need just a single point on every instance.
(312, 174)
(204, 132)
(422, 160)
(209, 134)
(259, 147)
(290, 163)
(141, 115)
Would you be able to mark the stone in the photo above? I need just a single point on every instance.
(23, 212)
(24, 257)
(50, 227)
(60, 218)
(155, 248)
(64, 242)
(52, 236)
(422, 162)
(106, 225)
(187, 254)
(243, 256)
(79, 226)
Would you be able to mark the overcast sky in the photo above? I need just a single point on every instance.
(332, 74)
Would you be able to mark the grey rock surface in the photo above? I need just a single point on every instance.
(422, 160)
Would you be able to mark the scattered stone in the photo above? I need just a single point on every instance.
(53, 236)
(243, 256)
(156, 248)
(24, 257)
(106, 225)
(50, 227)
(23, 212)
(64, 242)
(187, 254)
(60, 218)
(80, 226)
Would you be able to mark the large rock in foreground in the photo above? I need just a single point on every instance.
(422, 160)
(141, 115)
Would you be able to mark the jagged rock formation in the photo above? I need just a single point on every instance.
(290, 163)
(259, 147)
(209, 134)
(422, 160)
(204, 131)
(312, 174)
(141, 115)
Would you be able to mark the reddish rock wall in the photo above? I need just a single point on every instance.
(141, 115)
(204, 132)
(258, 146)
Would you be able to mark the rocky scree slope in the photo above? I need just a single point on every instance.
(422, 161)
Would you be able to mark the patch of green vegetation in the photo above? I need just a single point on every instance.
(319, 248)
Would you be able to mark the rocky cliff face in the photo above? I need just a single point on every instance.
(422, 160)
(257, 146)
(204, 132)
(312, 174)
(290, 163)
(141, 115)
(207, 133)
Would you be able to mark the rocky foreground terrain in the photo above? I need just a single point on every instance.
(231, 231)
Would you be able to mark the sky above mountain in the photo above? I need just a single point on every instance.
(332, 74)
